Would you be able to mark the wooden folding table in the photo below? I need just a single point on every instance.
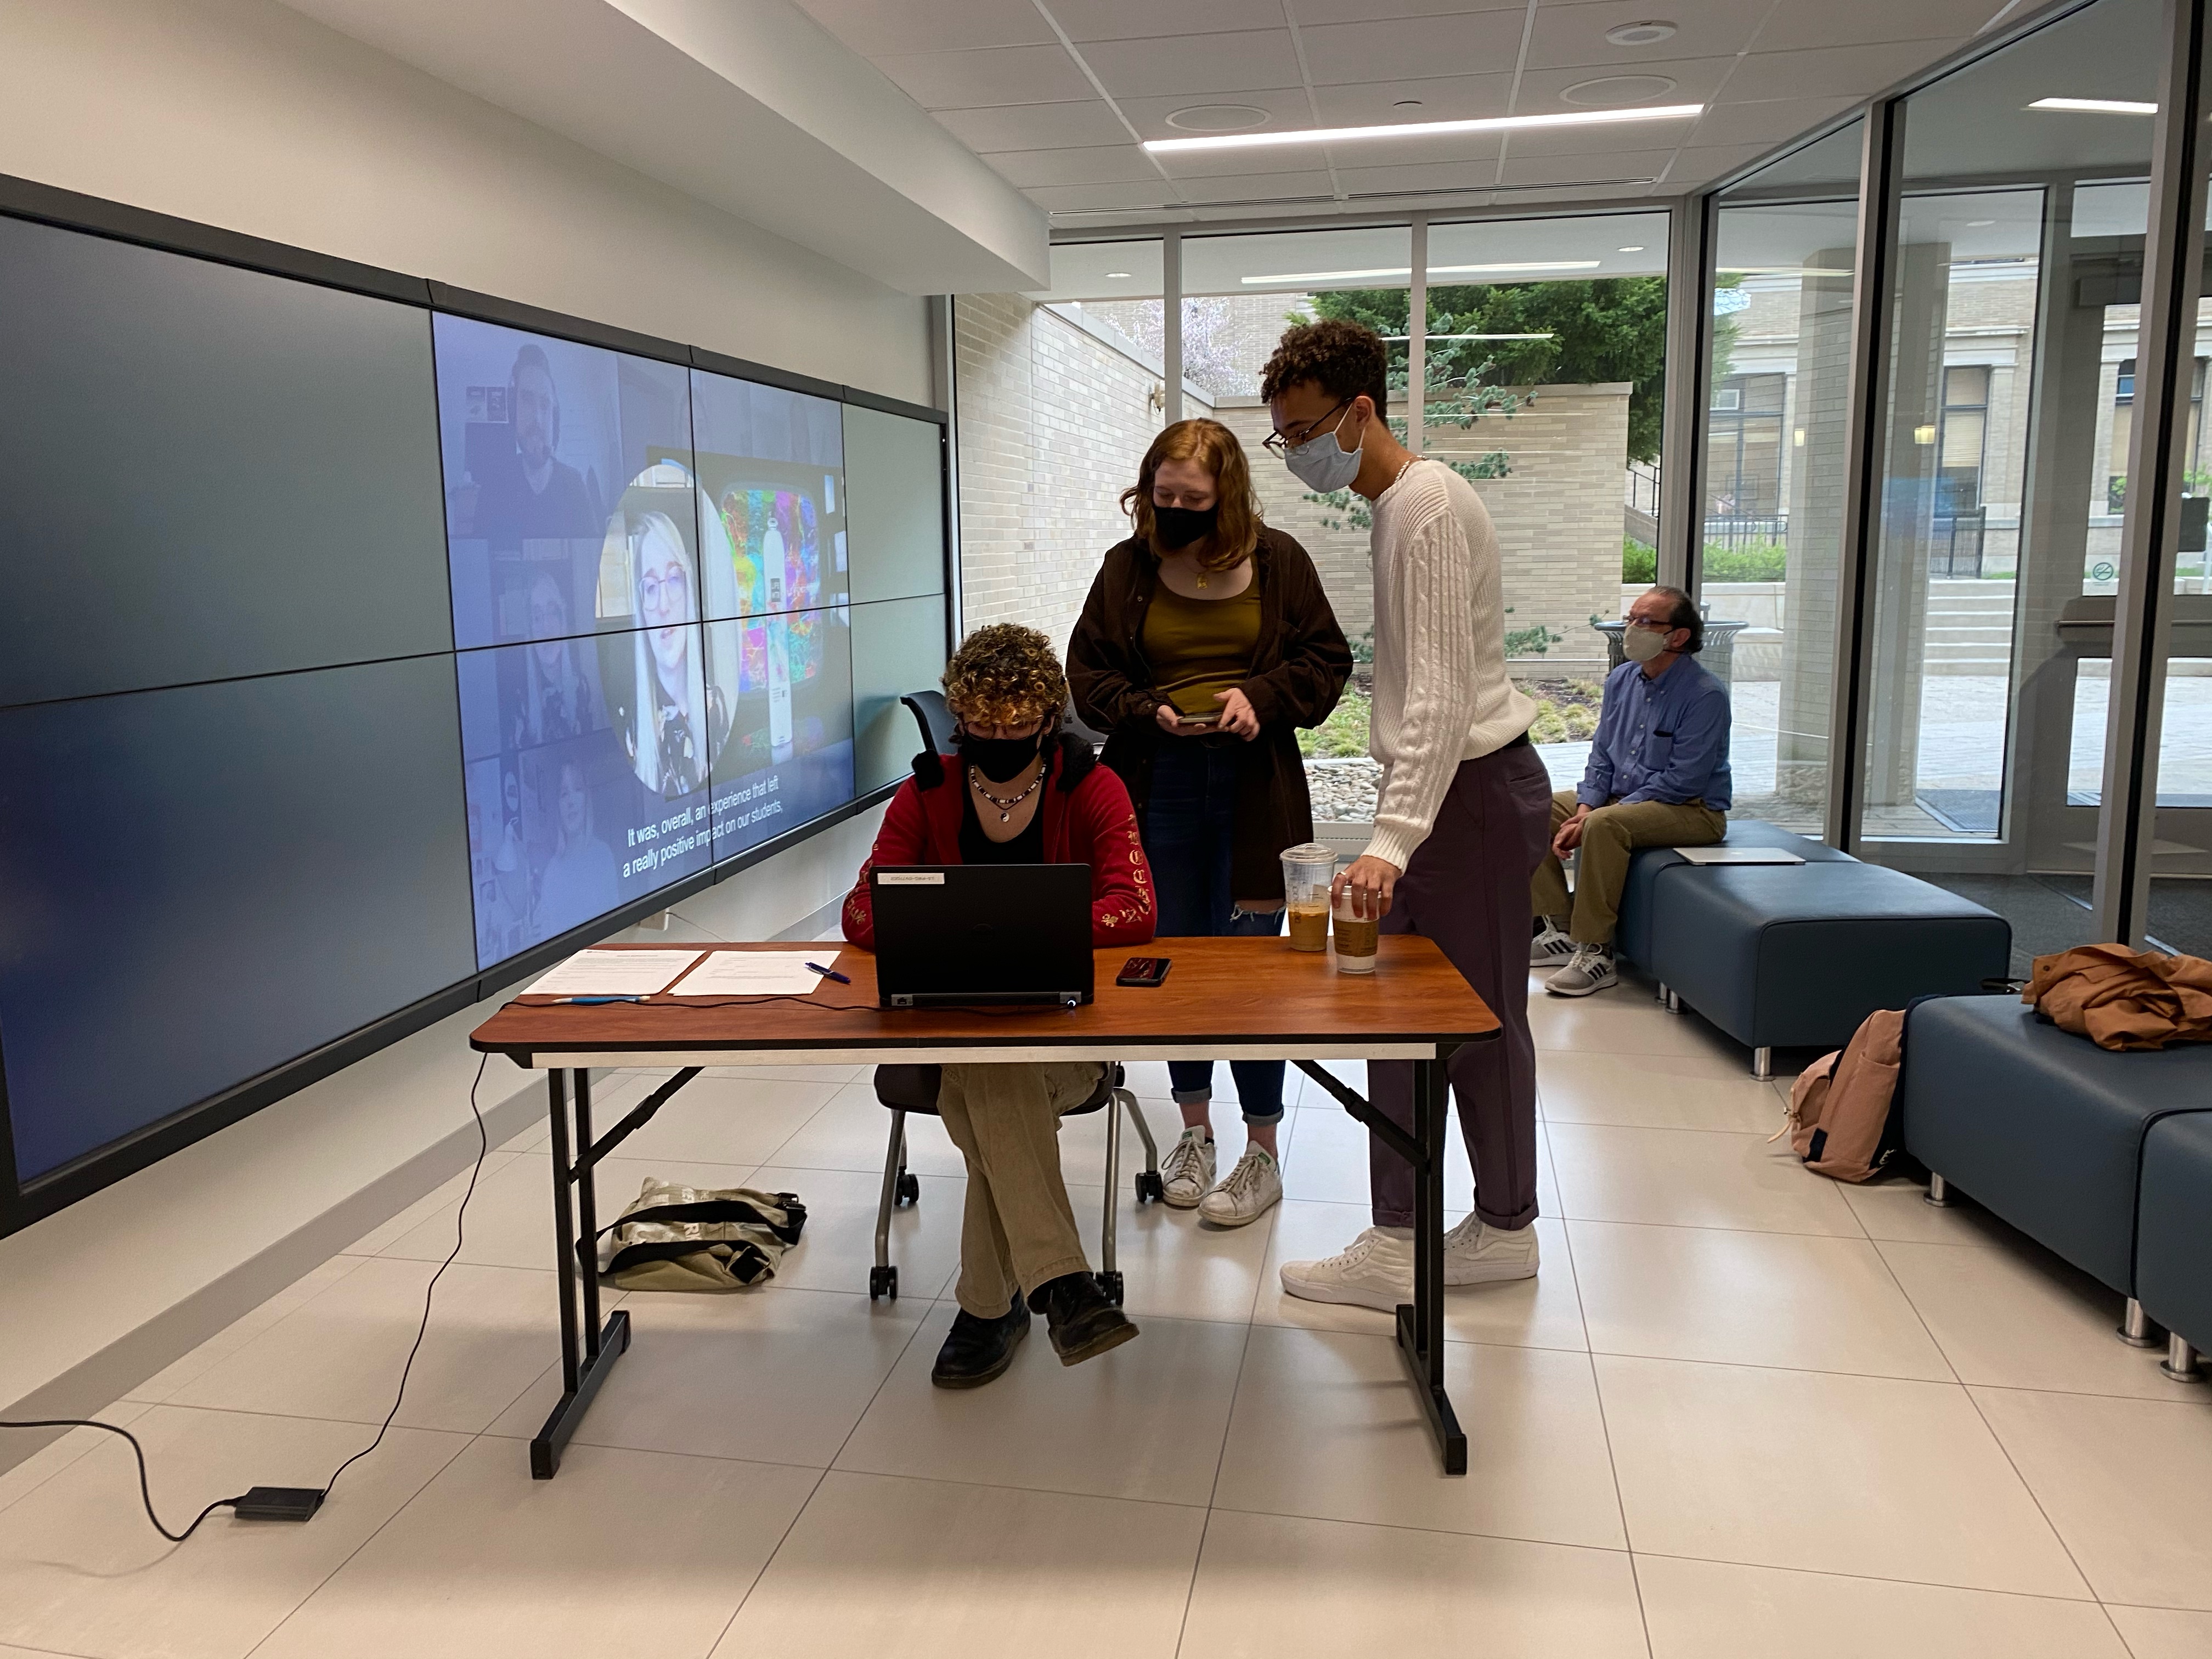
(1224, 999)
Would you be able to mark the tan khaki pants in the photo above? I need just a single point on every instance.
(1018, 1232)
(1609, 835)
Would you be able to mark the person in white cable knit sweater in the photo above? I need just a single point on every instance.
(1463, 816)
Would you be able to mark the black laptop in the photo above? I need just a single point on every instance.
(967, 934)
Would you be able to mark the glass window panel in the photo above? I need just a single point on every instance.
(2012, 310)
(1776, 475)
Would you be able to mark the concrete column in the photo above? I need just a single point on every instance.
(1899, 629)
(1819, 472)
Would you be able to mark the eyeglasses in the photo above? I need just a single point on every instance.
(1276, 443)
(674, 591)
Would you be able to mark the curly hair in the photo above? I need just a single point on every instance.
(1005, 675)
(1213, 446)
(1345, 360)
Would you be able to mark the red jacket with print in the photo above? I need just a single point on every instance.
(1087, 820)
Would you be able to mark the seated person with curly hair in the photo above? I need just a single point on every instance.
(1017, 791)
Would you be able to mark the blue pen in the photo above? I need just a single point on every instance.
(829, 973)
(593, 1002)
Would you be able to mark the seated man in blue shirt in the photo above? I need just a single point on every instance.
(1658, 776)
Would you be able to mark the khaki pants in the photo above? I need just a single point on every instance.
(1609, 835)
(1018, 1232)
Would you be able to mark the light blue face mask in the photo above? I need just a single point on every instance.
(1323, 464)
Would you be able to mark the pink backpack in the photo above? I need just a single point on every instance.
(1839, 1116)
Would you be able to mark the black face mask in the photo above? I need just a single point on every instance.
(1177, 527)
(999, 759)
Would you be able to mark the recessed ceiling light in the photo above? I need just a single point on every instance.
(1424, 129)
(1613, 91)
(1980, 224)
(2096, 106)
(1637, 248)
(1434, 270)
(1117, 275)
(1641, 34)
(1218, 118)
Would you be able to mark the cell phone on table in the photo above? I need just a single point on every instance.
(1142, 971)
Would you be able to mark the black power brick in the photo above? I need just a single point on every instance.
(278, 1503)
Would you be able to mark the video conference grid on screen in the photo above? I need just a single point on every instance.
(651, 610)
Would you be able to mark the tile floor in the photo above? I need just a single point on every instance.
(1742, 1411)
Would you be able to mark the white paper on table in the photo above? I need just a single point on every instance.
(613, 973)
(755, 974)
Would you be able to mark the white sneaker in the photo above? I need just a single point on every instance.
(1246, 1193)
(1188, 1169)
(1476, 1253)
(1550, 949)
(1376, 1270)
(1590, 968)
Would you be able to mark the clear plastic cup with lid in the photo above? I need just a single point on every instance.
(1308, 870)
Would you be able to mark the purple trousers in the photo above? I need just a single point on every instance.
(1467, 889)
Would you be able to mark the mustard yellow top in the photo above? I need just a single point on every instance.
(1201, 648)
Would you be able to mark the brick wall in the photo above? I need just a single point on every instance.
(1053, 419)
(1558, 516)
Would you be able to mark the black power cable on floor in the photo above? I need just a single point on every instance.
(300, 1502)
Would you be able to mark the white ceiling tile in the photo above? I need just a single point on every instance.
(1833, 72)
(1115, 164)
(1601, 140)
(1218, 163)
(1196, 67)
(1001, 75)
(1033, 126)
(1433, 177)
(1768, 122)
(1132, 197)
(1370, 11)
(1797, 23)
(1585, 169)
(1288, 107)
(1705, 163)
(1568, 36)
(1446, 98)
(877, 28)
(1257, 186)
(1696, 80)
(1151, 20)
(1411, 152)
(1483, 42)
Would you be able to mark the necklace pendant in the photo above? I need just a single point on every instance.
(1005, 817)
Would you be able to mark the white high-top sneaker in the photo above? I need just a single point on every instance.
(1376, 1270)
(1476, 1253)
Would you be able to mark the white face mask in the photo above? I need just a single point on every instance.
(1641, 644)
(1322, 464)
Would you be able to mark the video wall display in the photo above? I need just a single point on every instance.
(651, 607)
(395, 605)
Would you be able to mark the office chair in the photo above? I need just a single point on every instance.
(906, 1089)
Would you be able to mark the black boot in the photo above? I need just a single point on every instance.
(1082, 1323)
(976, 1350)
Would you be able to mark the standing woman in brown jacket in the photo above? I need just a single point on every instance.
(1206, 641)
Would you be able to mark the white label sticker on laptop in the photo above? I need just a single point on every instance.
(911, 878)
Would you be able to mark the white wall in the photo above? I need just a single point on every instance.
(246, 115)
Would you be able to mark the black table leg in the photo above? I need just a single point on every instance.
(582, 1372)
(1421, 1325)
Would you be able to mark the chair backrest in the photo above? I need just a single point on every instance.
(933, 717)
